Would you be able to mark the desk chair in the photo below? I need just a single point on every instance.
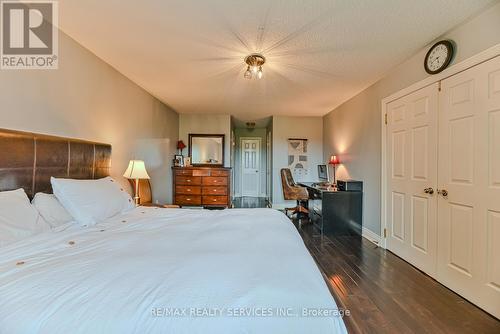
(145, 194)
(292, 191)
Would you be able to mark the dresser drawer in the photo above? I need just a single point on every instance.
(219, 173)
(188, 190)
(188, 180)
(214, 191)
(214, 200)
(187, 200)
(215, 181)
(201, 172)
(186, 172)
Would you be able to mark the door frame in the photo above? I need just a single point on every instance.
(241, 164)
(477, 59)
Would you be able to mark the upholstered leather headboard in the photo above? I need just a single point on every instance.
(28, 160)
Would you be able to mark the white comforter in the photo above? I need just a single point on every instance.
(167, 271)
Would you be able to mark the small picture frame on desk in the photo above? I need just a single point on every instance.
(178, 160)
(187, 162)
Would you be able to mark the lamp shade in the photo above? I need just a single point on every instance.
(181, 145)
(334, 160)
(136, 170)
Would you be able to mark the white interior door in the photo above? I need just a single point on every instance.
(469, 170)
(250, 167)
(411, 169)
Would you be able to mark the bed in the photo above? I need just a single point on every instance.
(153, 270)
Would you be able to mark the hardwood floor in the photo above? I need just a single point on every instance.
(385, 294)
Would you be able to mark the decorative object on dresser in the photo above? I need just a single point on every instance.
(181, 146)
(206, 149)
(202, 186)
(178, 160)
(136, 171)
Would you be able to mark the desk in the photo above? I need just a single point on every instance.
(335, 212)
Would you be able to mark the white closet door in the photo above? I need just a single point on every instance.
(469, 170)
(412, 168)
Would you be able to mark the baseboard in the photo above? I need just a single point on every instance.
(371, 236)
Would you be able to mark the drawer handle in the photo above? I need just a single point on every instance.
(214, 200)
(188, 189)
(188, 180)
(188, 199)
(215, 190)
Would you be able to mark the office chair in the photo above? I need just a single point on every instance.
(292, 191)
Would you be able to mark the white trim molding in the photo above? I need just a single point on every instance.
(371, 236)
(477, 59)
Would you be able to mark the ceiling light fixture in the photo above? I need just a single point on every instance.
(254, 66)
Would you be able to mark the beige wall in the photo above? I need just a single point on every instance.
(88, 99)
(206, 124)
(353, 130)
(295, 127)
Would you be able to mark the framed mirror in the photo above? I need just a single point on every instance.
(206, 150)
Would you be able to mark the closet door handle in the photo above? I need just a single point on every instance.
(443, 192)
(429, 191)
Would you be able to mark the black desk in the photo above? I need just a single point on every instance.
(335, 212)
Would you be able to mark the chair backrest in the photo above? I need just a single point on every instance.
(287, 178)
(291, 191)
(145, 196)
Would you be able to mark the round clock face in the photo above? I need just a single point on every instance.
(438, 57)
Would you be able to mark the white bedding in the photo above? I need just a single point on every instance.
(237, 269)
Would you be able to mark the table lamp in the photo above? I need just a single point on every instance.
(334, 160)
(181, 146)
(136, 170)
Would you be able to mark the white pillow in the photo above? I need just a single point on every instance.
(51, 210)
(18, 218)
(91, 201)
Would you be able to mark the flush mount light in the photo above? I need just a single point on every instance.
(254, 65)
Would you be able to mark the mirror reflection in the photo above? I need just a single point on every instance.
(206, 149)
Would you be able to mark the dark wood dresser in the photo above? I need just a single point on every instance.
(202, 186)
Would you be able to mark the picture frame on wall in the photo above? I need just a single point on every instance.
(178, 160)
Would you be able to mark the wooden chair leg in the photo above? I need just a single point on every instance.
(298, 209)
(290, 209)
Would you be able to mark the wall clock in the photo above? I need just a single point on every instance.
(438, 57)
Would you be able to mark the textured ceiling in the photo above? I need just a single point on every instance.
(189, 53)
